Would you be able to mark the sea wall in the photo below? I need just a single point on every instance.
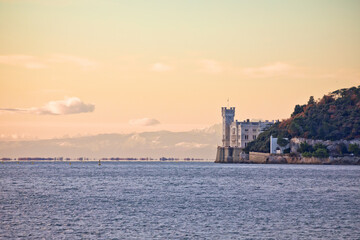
(258, 157)
(230, 155)
(288, 159)
(235, 155)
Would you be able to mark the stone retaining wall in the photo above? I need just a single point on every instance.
(257, 157)
(235, 155)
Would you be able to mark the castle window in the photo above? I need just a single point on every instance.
(245, 144)
(246, 136)
(254, 130)
(246, 130)
(254, 137)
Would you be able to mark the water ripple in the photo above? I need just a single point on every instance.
(128, 200)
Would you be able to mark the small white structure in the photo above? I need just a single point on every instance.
(275, 147)
(239, 134)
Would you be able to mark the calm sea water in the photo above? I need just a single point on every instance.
(124, 200)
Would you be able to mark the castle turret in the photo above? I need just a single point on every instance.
(228, 117)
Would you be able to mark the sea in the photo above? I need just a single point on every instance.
(178, 200)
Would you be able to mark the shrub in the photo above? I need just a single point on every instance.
(305, 147)
(355, 149)
(293, 154)
(319, 146)
(287, 150)
(341, 149)
(282, 141)
(307, 154)
(321, 153)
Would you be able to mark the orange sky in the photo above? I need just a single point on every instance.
(87, 67)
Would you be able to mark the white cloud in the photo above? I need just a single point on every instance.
(84, 63)
(160, 67)
(34, 62)
(190, 145)
(72, 105)
(210, 66)
(15, 136)
(65, 144)
(25, 61)
(273, 69)
(144, 122)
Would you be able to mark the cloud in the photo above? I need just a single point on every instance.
(34, 62)
(25, 61)
(160, 67)
(273, 69)
(210, 66)
(15, 136)
(135, 140)
(155, 144)
(191, 145)
(72, 105)
(144, 122)
(84, 63)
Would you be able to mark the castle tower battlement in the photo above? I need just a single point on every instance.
(228, 115)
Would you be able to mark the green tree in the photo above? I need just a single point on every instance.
(341, 149)
(307, 154)
(311, 100)
(298, 109)
(287, 150)
(282, 142)
(334, 117)
(305, 147)
(355, 149)
(295, 129)
(321, 153)
(319, 146)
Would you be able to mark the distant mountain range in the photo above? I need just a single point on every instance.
(194, 144)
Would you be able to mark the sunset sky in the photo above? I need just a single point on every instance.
(86, 67)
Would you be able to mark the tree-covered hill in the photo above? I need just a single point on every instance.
(333, 117)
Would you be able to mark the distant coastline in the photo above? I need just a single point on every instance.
(112, 159)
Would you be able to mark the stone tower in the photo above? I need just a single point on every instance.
(228, 117)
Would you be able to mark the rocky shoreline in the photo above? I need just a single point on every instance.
(286, 159)
(235, 155)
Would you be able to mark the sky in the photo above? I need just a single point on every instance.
(85, 67)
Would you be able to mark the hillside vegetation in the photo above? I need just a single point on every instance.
(333, 117)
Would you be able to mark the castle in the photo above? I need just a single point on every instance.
(236, 136)
(239, 134)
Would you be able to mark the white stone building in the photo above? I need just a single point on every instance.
(275, 148)
(239, 134)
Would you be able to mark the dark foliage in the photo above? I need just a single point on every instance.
(341, 149)
(305, 147)
(282, 142)
(262, 142)
(287, 150)
(311, 100)
(354, 149)
(298, 109)
(319, 150)
(335, 116)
